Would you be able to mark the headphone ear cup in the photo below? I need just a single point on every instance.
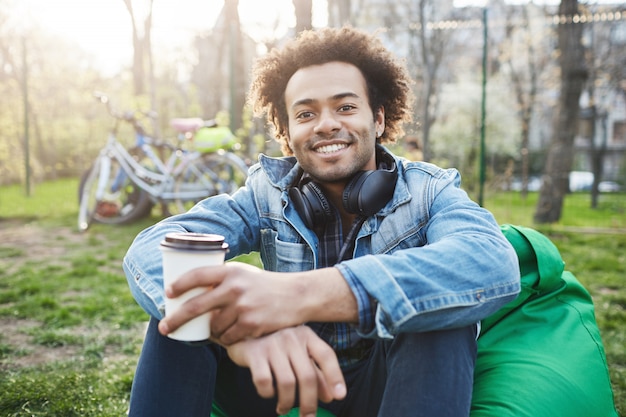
(369, 191)
(311, 204)
(351, 193)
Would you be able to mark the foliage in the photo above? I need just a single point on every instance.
(457, 138)
(67, 127)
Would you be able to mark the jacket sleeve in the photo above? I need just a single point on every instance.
(233, 217)
(465, 270)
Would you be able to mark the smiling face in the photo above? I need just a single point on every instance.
(332, 128)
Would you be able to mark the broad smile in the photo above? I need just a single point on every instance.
(328, 149)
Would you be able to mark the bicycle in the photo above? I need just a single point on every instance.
(122, 185)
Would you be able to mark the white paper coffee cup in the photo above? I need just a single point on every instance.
(183, 252)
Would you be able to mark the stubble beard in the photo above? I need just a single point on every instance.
(342, 174)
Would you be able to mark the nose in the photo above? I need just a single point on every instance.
(327, 123)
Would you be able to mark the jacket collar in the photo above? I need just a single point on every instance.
(283, 171)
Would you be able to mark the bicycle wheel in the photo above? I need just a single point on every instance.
(107, 195)
(230, 169)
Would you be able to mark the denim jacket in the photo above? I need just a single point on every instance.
(429, 259)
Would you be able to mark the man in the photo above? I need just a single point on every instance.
(377, 270)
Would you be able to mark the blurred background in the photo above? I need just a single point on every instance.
(520, 96)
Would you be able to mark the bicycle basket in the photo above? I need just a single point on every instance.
(211, 139)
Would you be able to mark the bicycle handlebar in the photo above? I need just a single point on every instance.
(183, 125)
(127, 116)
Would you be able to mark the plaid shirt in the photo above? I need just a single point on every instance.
(343, 338)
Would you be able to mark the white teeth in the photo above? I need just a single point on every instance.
(331, 148)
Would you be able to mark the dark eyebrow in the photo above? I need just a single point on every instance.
(341, 96)
(336, 97)
(302, 102)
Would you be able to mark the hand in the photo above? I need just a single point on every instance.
(245, 301)
(290, 358)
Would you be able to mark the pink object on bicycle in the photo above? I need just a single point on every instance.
(187, 125)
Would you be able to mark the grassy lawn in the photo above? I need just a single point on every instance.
(70, 332)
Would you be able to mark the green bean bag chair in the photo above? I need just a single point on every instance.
(540, 355)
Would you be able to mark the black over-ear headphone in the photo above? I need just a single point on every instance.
(365, 194)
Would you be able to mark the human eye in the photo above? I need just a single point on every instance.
(346, 108)
(304, 115)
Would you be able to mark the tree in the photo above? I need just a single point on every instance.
(597, 148)
(458, 131)
(431, 52)
(339, 12)
(220, 76)
(232, 32)
(524, 77)
(427, 46)
(143, 65)
(58, 74)
(606, 61)
(304, 14)
(560, 158)
(141, 45)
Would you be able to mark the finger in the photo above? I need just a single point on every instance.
(206, 276)
(222, 320)
(285, 381)
(234, 334)
(262, 378)
(242, 327)
(192, 308)
(229, 324)
(326, 360)
(324, 392)
(307, 375)
(306, 372)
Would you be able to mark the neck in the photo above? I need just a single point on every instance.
(334, 193)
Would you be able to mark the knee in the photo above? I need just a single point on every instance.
(463, 335)
(458, 342)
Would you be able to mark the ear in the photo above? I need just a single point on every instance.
(379, 120)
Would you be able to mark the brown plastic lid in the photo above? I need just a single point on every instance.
(194, 241)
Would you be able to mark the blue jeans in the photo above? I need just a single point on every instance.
(414, 374)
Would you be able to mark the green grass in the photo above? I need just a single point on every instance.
(88, 388)
(49, 201)
(71, 333)
(510, 207)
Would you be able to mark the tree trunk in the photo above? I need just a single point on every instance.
(525, 98)
(142, 52)
(147, 42)
(432, 50)
(598, 150)
(304, 14)
(138, 55)
(338, 12)
(560, 158)
(597, 144)
(428, 82)
(237, 73)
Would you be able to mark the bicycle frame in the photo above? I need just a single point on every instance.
(123, 184)
(159, 184)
